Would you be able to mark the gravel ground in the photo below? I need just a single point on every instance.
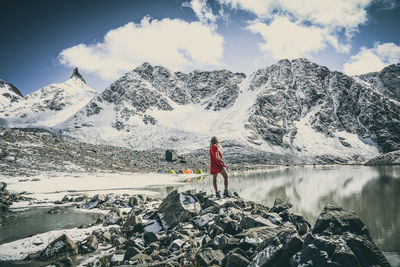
(27, 152)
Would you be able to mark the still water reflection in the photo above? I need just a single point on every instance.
(372, 192)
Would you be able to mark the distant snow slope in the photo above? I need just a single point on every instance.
(50, 105)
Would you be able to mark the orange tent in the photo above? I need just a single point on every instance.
(187, 171)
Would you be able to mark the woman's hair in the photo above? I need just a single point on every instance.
(214, 141)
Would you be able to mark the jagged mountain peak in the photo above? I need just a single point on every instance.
(49, 105)
(10, 87)
(76, 74)
(8, 94)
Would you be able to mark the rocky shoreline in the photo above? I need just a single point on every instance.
(195, 229)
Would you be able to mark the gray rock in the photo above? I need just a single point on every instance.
(88, 245)
(150, 237)
(208, 257)
(170, 155)
(280, 205)
(133, 221)
(250, 221)
(59, 248)
(235, 260)
(141, 259)
(2, 186)
(340, 237)
(176, 208)
(113, 217)
(94, 202)
(130, 252)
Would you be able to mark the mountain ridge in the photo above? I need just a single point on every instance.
(295, 108)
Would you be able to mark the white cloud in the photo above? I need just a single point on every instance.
(293, 28)
(286, 39)
(344, 14)
(203, 12)
(173, 43)
(373, 59)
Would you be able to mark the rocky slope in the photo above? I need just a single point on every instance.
(49, 105)
(387, 159)
(29, 151)
(214, 90)
(387, 81)
(192, 228)
(8, 94)
(306, 107)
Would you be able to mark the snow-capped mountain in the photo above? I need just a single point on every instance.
(152, 108)
(49, 105)
(304, 107)
(292, 107)
(8, 94)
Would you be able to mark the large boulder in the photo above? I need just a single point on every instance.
(274, 245)
(339, 237)
(60, 248)
(170, 155)
(178, 207)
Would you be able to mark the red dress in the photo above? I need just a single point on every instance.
(216, 165)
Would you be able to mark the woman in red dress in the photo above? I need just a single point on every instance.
(218, 166)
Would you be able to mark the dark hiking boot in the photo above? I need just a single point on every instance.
(218, 194)
(227, 193)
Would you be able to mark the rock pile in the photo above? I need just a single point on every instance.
(193, 229)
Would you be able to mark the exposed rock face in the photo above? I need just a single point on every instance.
(77, 75)
(59, 248)
(297, 94)
(391, 158)
(8, 94)
(387, 81)
(212, 89)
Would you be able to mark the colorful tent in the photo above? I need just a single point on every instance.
(187, 171)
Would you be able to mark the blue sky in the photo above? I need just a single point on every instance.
(42, 40)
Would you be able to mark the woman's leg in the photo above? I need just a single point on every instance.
(215, 182)
(225, 175)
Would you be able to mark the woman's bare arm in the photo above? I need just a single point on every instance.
(217, 155)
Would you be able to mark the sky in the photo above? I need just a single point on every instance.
(43, 40)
